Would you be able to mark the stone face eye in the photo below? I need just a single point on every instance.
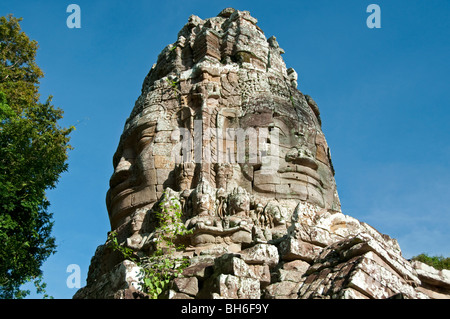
(145, 137)
(142, 143)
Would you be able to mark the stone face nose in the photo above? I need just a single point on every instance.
(121, 173)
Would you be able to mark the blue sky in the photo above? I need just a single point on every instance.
(384, 97)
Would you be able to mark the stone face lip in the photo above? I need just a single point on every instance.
(222, 135)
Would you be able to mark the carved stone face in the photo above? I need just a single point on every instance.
(204, 199)
(221, 74)
(134, 177)
(137, 221)
(304, 170)
(239, 201)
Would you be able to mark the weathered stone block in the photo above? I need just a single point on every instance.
(297, 265)
(145, 195)
(290, 275)
(172, 294)
(162, 149)
(233, 287)
(187, 285)
(262, 273)
(292, 249)
(162, 175)
(201, 270)
(261, 254)
(282, 290)
(260, 177)
(164, 162)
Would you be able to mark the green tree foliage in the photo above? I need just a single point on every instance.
(162, 265)
(438, 262)
(33, 154)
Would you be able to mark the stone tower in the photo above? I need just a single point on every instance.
(222, 133)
